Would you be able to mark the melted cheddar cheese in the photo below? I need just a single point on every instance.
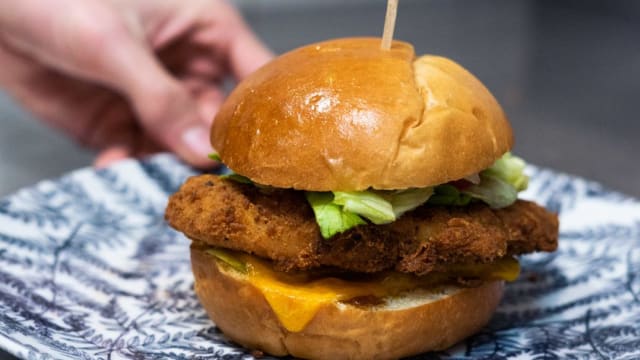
(295, 299)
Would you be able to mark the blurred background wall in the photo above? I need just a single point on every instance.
(567, 73)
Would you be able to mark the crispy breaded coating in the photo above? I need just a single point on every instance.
(274, 224)
(279, 225)
(431, 237)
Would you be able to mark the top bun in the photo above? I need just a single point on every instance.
(346, 115)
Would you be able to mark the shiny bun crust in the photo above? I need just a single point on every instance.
(417, 322)
(346, 115)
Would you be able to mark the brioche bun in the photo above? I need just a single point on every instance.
(346, 115)
(416, 322)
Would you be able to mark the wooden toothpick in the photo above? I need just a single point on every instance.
(389, 24)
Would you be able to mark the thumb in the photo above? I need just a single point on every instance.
(112, 155)
(164, 107)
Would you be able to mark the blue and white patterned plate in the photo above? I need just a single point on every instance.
(89, 270)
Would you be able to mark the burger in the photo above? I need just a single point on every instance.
(370, 207)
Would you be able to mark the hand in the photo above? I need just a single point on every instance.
(126, 77)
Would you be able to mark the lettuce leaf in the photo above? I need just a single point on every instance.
(499, 185)
(215, 157)
(237, 178)
(339, 211)
(409, 199)
(492, 190)
(230, 174)
(447, 194)
(367, 204)
(510, 169)
(331, 217)
(382, 206)
(228, 259)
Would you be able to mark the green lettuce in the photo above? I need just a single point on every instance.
(510, 169)
(447, 194)
(498, 187)
(499, 184)
(237, 178)
(230, 174)
(367, 204)
(409, 199)
(492, 190)
(331, 217)
(228, 259)
(215, 157)
(339, 211)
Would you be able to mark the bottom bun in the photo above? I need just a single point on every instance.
(415, 322)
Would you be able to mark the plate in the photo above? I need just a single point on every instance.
(90, 270)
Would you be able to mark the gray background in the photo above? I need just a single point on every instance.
(567, 73)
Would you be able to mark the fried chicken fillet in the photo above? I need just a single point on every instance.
(279, 225)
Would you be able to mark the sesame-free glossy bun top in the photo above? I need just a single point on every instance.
(346, 115)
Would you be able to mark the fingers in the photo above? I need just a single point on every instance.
(112, 155)
(186, 58)
(209, 102)
(112, 51)
(168, 111)
(165, 108)
(247, 53)
(226, 34)
(141, 148)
